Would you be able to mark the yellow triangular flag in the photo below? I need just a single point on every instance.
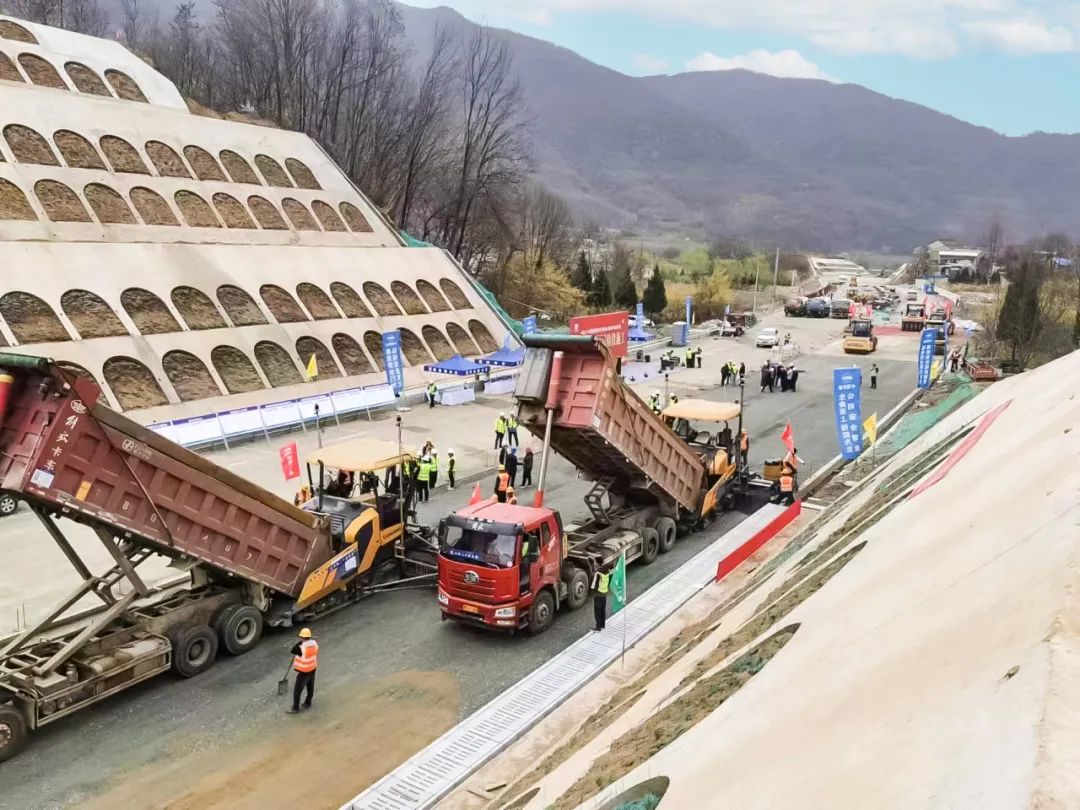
(312, 368)
(870, 426)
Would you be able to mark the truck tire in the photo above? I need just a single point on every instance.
(650, 545)
(542, 613)
(665, 527)
(13, 732)
(577, 587)
(194, 650)
(239, 628)
(8, 505)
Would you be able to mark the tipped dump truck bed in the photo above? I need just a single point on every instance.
(601, 426)
(62, 450)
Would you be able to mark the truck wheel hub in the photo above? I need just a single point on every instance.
(6, 733)
(245, 631)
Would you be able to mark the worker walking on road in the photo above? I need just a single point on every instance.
(787, 488)
(511, 431)
(744, 446)
(500, 430)
(432, 392)
(502, 484)
(600, 591)
(305, 655)
(873, 376)
(725, 372)
(526, 468)
(451, 467)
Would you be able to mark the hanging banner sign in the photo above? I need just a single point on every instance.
(395, 369)
(290, 461)
(926, 356)
(847, 406)
(528, 324)
(609, 328)
(689, 304)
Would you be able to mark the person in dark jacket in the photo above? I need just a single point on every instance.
(766, 377)
(512, 466)
(793, 375)
(526, 468)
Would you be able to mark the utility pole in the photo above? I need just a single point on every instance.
(776, 273)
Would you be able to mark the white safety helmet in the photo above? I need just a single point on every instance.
(450, 452)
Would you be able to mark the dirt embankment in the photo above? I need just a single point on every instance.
(319, 759)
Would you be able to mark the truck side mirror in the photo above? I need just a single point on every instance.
(442, 534)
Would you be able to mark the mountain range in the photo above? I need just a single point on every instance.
(803, 163)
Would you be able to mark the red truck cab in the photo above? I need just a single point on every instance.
(500, 566)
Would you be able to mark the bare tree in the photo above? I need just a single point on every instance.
(992, 243)
(545, 226)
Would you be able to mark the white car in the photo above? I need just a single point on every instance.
(768, 338)
(633, 324)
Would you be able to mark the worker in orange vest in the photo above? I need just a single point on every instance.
(787, 488)
(305, 661)
(502, 484)
(744, 446)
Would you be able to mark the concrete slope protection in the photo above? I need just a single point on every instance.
(937, 668)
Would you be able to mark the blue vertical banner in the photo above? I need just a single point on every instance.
(640, 314)
(395, 368)
(528, 324)
(926, 356)
(689, 303)
(847, 405)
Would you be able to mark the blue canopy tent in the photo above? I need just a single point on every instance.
(458, 366)
(505, 357)
(639, 334)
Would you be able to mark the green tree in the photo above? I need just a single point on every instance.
(581, 275)
(1019, 323)
(600, 293)
(655, 298)
(713, 293)
(623, 291)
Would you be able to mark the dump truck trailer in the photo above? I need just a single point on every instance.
(512, 566)
(248, 553)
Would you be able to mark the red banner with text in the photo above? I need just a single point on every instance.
(610, 328)
(290, 461)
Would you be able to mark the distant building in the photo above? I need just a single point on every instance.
(947, 256)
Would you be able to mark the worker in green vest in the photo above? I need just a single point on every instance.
(689, 357)
(511, 431)
(432, 391)
(601, 580)
(423, 480)
(433, 454)
(500, 430)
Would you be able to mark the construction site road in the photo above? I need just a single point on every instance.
(392, 677)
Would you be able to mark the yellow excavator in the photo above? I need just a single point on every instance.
(368, 517)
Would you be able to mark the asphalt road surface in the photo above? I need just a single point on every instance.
(233, 705)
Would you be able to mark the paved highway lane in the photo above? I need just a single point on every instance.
(392, 676)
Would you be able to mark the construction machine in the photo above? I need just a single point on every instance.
(860, 338)
(249, 557)
(512, 567)
(914, 317)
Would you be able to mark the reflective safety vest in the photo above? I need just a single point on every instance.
(787, 483)
(432, 389)
(503, 482)
(308, 659)
(602, 583)
(513, 423)
(500, 425)
(689, 356)
(425, 471)
(435, 463)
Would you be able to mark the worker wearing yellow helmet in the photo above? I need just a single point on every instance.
(305, 661)
(502, 484)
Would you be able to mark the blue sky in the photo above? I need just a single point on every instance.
(1012, 65)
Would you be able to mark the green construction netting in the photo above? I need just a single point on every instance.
(412, 241)
(916, 423)
(518, 326)
(650, 802)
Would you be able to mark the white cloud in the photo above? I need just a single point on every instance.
(1023, 36)
(787, 64)
(922, 29)
(650, 63)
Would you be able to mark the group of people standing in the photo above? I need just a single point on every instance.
(506, 480)
(731, 373)
(774, 374)
(425, 471)
(506, 431)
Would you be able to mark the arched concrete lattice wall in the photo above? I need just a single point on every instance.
(189, 376)
(90, 315)
(277, 364)
(438, 343)
(465, 345)
(307, 347)
(239, 306)
(31, 319)
(149, 312)
(352, 357)
(132, 383)
(236, 370)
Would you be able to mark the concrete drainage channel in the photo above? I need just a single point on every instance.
(435, 771)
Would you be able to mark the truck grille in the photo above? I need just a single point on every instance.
(483, 589)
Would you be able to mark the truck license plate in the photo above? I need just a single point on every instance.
(470, 608)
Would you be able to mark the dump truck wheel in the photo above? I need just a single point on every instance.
(194, 650)
(239, 628)
(577, 588)
(542, 613)
(13, 732)
(665, 528)
(650, 545)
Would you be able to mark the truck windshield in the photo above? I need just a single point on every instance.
(488, 548)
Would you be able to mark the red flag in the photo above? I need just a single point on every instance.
(788, 438)
(289, 458)
(477, 496)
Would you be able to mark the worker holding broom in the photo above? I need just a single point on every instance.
(305, 661)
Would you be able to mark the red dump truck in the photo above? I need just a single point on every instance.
(512, 567)
(253, 558)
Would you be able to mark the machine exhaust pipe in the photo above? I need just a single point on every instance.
(549, 406)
